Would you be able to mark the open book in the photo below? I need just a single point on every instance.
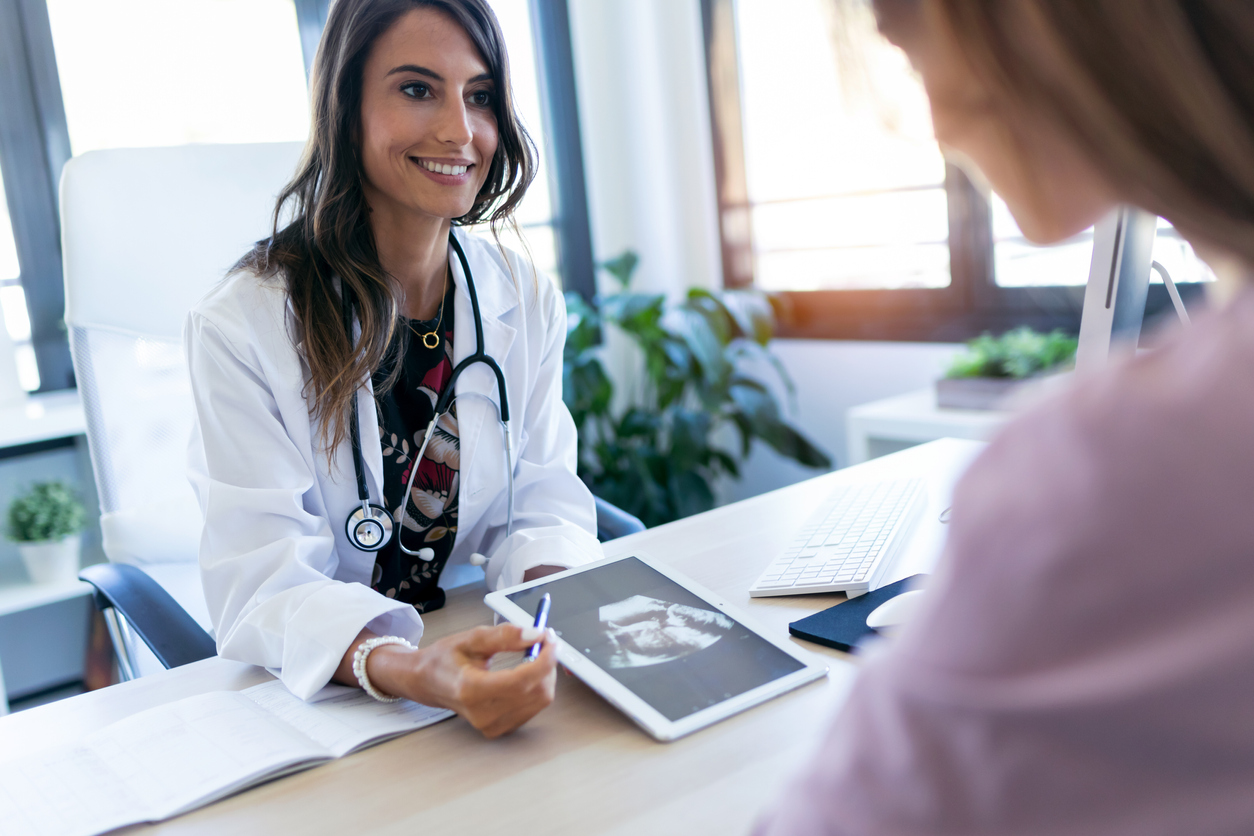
(176, 757)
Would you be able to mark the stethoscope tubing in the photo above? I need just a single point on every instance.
(442, 405)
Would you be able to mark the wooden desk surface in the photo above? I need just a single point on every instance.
(580, 767)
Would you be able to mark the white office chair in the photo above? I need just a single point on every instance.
(145, 234)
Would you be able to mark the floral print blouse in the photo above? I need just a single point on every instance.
(431, 516)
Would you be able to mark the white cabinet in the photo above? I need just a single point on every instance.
(885, 426)
(41, 438)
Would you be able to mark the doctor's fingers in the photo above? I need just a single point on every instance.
(520, 679)
(513, 686)
(485, 642)
(497, 702)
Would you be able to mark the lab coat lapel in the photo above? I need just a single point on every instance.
(371, 444)
(482, 474)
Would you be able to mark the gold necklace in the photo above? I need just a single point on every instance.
(431, 339)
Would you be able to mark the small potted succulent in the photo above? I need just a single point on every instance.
(45, 523)
(993, 368)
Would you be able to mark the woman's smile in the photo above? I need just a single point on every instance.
(449, 172)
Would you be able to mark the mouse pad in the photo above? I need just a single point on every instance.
(844, 625)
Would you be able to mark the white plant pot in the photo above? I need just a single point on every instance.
(51, 561)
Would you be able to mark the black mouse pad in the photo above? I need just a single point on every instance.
(844, 625)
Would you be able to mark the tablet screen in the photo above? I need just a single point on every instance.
(663, 643)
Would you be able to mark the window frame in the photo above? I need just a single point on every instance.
(971, 305)
(35, 145)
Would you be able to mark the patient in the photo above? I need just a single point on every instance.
(1085, 664)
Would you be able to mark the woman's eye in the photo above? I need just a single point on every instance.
(482, 98)
(416, 90)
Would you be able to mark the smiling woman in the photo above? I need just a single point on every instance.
(353, 308)
(378, 111)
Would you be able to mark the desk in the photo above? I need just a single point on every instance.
(580, 767)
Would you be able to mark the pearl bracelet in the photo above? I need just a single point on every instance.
(359, 664)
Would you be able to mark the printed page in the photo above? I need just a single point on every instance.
(149, 766)
(67, 791)
(343, 719)
(178, 756)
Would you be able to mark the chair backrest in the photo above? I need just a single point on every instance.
(146, 233)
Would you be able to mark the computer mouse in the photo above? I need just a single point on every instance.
(895, 611)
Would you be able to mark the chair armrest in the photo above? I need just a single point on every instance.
(171, 634)
(613, 522)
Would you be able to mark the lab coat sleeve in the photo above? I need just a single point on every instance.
(554, 512)
(266, 561)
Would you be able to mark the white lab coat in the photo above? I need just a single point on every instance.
(284, 587)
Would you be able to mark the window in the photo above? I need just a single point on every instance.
(13, 302)
(140, 73)
(834, 196)
(1019, 263)
(535, 215)
(9, 270)
(818, 223)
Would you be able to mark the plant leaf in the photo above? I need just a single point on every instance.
(700, 338)
(690, 493)
(622, 268)
(787, 441)
(753, 314)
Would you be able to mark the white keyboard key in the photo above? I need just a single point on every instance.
(848, 542)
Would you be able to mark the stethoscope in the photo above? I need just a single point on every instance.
(370, 526)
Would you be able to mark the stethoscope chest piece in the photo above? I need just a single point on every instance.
(369, 527)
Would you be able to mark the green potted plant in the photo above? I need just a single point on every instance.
(660, 455)
(45, 523)
(993, 368)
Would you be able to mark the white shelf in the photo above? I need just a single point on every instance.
(42, 418)
(26, 596)
(915, 418)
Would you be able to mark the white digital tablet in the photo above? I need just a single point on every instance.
(670, 655)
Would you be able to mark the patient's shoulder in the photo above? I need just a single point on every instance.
(1121, 504)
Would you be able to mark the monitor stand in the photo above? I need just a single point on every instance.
(1114, 300)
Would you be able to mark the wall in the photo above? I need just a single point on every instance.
(644, 119)
(832, 376)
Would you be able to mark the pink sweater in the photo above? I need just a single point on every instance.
(1085, 664)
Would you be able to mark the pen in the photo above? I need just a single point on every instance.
(542, 621)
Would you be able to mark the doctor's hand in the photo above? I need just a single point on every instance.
(453, 673)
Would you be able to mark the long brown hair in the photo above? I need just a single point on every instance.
(329, 235)
(1158, 93)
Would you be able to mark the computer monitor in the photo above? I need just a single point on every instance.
(1114, 299)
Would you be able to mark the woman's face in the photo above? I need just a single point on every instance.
(428, 129)
(1053, 191)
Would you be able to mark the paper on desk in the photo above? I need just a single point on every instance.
(179, 756)
(150, 766)
(343, 719)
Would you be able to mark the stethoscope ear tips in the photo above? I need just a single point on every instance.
(427, 554)
(477, 559)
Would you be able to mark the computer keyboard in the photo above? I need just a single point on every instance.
(848, 543)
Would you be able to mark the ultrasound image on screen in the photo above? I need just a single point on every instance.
(659, 640)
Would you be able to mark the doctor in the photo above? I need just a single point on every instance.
(350, 456)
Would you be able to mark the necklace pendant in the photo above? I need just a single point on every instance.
(431, 339)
